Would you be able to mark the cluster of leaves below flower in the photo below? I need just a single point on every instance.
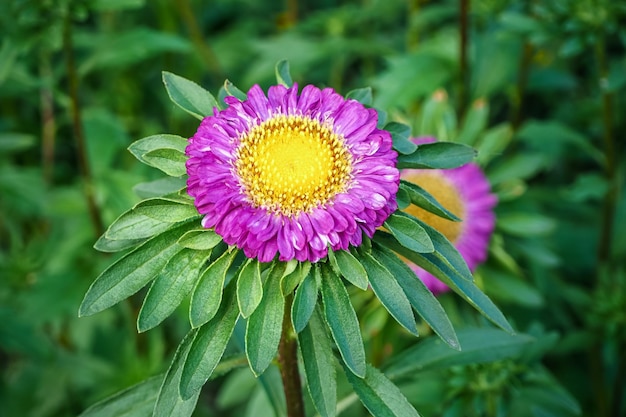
(172, 250)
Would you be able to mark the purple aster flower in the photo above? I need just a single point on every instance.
(466, 192)
(292, 174)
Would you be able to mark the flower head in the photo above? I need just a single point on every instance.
(466, 192)
(292, 174)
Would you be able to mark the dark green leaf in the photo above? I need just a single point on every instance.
(351, 269)
(170, 287)
(132, 272)
(305, 300)
(249, 288)
(389, 292)
(207, 295)
(209, 344)
(170, 161)
(104, 244)
(362, 95)
(400, 134)
(409, 233)
(265, 324)
(132, 225)
(319, 370)
(189, 96)
(232, 90)
(282, 73)
(200, 239)
(379, 395)
(166, 210)
(438, 155)
(425, 200)
(474, 122)
(292, 280)
(143, 146)
(342, 321)
(136, 401)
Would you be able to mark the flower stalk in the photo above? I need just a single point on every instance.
(288, 364)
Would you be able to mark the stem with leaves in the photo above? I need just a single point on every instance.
(288, 364)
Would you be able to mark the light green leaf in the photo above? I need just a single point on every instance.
(136, 401)
(493, 143)
(169, 402)
(292, 280)
(351, 269)
(265, 325)
(409, 233)
(15, 142)
(209, 344)
(207, 295)
(400, 134)
(389, 292)
(200, 239)
(319, 370)
(189, 96)
(132, 225)
(159, 187)
(362, 95)
(249, 288)
(438, 155)
(526, 224)
(132, 272)
(170, 287)
(342, 321)
(282, 73)
(170, 161)
(305, 300)
(166, 210)
(232, 90)
(379, 395)
(104, 244)
(425, 200)
(143, 146)
(474, 122)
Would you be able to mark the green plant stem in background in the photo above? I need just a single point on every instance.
(522, 82)
(48, 121)
(288, 363)
(79, 135)
(463, 43)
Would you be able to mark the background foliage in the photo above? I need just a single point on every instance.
(537, 87)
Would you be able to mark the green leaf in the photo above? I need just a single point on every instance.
(526, 224)
(170, 287)
(265, 324)
(104, 244)
(493, 143)
(400, 134)
(342, 321)
(305, 300)
(389, 292)
(132, 272)
(15, 142)
(474, 122)
(159, 187)
(438, 155)
(292, 280)
(380, 396)
(143, 146)
(249, 288)
(319, 370)
(209, 345)
(478, 345)
(425, 200)
(409, 233)
(166, 210)
(132, 225)
(200, 239)
(232, 90)
(207, 295)
(351, 269)
(136, 401)
(282, 73)
(169, 402)
(420, 297)
(170, 161)
(189, 96)
(362, 95)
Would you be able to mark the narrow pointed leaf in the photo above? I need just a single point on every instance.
(319, 369)
(305, 300)
(351, 269)
(438, 155)
(151, 143)
(207, 295)
(137, 400)
(362, 95)
(409, 233)
(159, 187)
(400, 134)
(166, 210)
(104, 244)
(200, 239)
(420, 297)
(265, 324)
(209, 344)
(342, 321)
(132, 272)
(232, 90)
(249, 288)
(379, 395)
(282, 73)
(389, 292)
(132, 225)
(170, 287)
(170, 161)
(425, 200)
(169, 402)
(292, 280)
(189, 96)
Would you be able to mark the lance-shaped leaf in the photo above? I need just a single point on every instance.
(265, 324)
(400, 134)
(169, 402)
(379, 395)
(200, 239)
(438, 155)
(362, 95)
(319, 370)
(104, 244)
(409, 233)
(249, 288)
(342, 321)
(209, 344)
(189, 96)
(389, 292)
(305, 300)
(283, 75)
(131, 225)
(231, 90)
(346, 265)
(137, 400)
(166, 210)
(292, 280)
(170, 161)
(420, 297)
(207, 295)
(170, 287)
(425, 200)
(132, 272)
(155, 142)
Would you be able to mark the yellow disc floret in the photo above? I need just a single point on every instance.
(289, 164)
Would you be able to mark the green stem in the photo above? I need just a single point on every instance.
(79, 136)
(463, 65)
(522, 81)
(48, 121)
(288, 364)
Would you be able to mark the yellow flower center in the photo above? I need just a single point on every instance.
(446, 193)
(289, 164)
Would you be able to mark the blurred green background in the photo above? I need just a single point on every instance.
(538, 87)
